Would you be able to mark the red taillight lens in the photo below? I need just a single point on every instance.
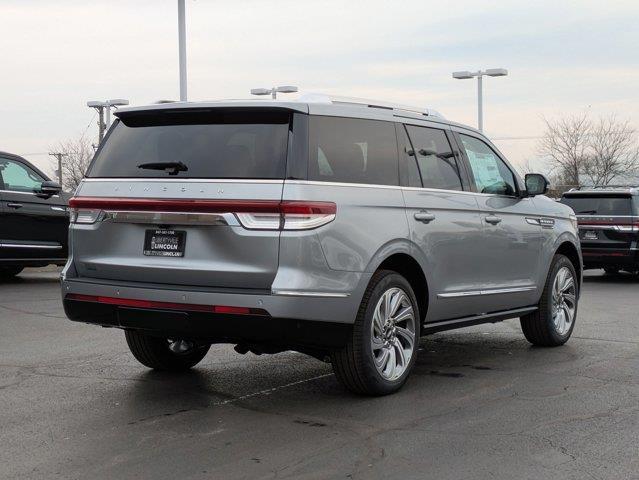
(252, 214)
(307, 215)
(187, 307)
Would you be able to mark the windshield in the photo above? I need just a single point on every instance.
(211, 143)
(613, 205)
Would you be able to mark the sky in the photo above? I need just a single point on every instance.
(563, 58)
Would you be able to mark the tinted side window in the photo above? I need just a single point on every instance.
(435, 158)
(491, 174)
(353, 151)
(18, 177)
(410, 172)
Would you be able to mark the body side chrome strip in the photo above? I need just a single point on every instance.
(301, 293)
(27, 245)
(27, 193)
(479, 317)
(496, 291)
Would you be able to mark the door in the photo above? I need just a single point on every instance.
(443, 219)
(510, 247)
(30, 226)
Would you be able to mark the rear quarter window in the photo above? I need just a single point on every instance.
(352, 150)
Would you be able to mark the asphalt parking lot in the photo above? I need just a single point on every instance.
(481, 403)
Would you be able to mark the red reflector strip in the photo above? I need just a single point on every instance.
(187, 307)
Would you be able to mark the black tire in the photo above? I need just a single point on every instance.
(354, 364)
(154, 352)
(538, 327)
(9, 272)
(611, 271)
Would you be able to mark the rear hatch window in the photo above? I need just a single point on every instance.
(195, 143)
(606, 205)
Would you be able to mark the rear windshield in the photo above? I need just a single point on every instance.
(191, 143)
(599, 205)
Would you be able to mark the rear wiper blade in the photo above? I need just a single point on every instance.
(172, 168)
(588, 211)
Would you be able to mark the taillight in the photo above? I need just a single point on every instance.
(252, 214)
(290, 215)
(84, 215)
(307, 215)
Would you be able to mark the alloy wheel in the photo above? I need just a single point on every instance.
(393, 333)
(564, 300)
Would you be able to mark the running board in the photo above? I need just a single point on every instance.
(475, 320)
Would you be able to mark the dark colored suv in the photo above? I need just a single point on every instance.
(608, 220)
(34, 221)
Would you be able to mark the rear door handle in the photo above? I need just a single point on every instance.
(424, 217)
(14, 205)
(492, 219)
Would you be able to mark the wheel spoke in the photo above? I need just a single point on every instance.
(387, 307)
(407, 335)
(391, 364)
(568, 283)
(377, 343)
(567, 312)
(400, 353)
(395, 303)
(382, 360)
(403, 315)
(378, 323)
(570, 299)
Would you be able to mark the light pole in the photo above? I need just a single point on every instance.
(182, 48)
(491, 72)
(103, 107)
(274, 91)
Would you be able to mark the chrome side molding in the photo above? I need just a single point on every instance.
(303, 293)
(496, 291)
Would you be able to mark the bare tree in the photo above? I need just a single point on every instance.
(613, 151)
(78, 155)
(565, 146)
(599, 151)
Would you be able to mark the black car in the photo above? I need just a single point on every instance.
(608, 220)
(34, 220)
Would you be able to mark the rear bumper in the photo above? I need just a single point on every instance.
(280, 333)
(289, 319)
(608, 257)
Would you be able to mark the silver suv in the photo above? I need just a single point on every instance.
(334, 227)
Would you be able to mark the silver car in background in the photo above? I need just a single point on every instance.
(340, 228)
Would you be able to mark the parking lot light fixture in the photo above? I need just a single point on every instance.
(105, 107)
(491, 72)
(274, 91)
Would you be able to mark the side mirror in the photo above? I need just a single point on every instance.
(48, 189)
(536, 184)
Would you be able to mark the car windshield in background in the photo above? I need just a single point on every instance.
(211, 143)
(613, 205)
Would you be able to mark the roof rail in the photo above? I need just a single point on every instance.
(366, 103)
(594, 187)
